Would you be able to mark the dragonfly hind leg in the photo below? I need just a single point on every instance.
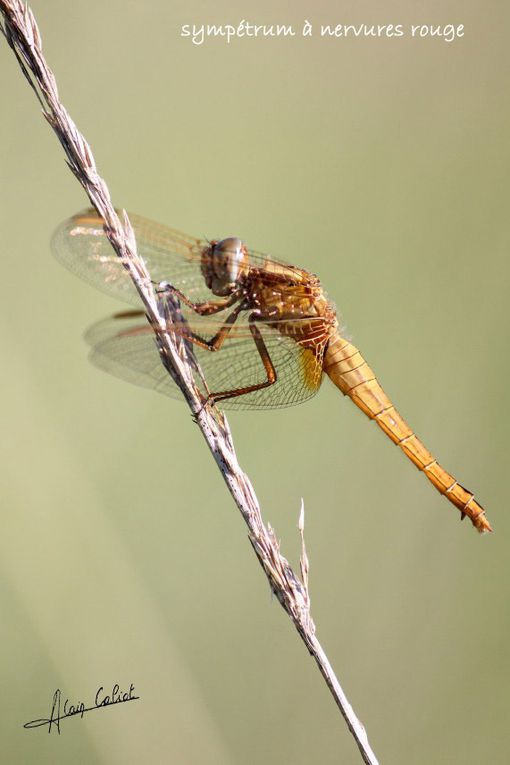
(268, 365)
(215, 345)
(216, 342)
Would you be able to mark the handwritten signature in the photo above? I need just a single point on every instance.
(60, 711)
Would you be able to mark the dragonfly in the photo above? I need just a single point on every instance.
(263, 331)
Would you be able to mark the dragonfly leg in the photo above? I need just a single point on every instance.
(271, 375)
(215, 343)
(206, 308)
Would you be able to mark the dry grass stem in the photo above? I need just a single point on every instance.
(21, 32)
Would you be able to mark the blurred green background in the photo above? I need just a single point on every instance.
(381, 165)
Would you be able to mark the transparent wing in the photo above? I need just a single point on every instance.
(82, 246)
(124, 346)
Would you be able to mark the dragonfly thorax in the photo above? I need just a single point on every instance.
(225, 265)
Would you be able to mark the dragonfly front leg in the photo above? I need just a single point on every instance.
(206, 308)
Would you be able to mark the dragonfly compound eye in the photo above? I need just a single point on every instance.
(224, 265)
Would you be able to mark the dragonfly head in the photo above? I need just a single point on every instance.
(225, 265)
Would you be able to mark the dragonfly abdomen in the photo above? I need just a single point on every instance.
(349, 371)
